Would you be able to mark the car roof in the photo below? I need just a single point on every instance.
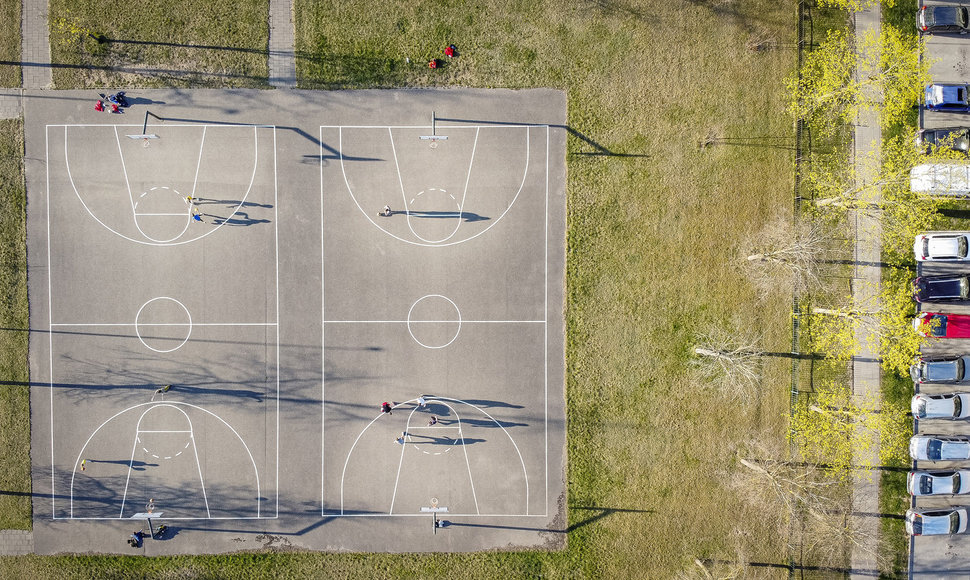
(944, 245)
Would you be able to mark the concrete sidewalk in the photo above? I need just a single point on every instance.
(865, 291)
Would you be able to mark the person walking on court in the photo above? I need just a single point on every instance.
(196, 215)
(386, 407)
(386, 211)
(422, 402)
(433, 421)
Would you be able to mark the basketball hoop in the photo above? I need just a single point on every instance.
(434, 144)
(434, 503)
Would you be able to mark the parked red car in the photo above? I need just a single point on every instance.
(939, 325)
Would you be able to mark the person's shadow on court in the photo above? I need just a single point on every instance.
(245, 220)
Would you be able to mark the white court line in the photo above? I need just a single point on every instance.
(195, 181)
(50, 311)
(323, 344)
(276, 238)
(165, 324)
(193, 125)
(161, 431)
(343, 475)
(249, 189)
(350, 190)
(545, 403)
(77, 461)
(459, 127)
(452, 321)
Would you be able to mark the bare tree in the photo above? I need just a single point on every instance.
(788, 255)
(729, 360)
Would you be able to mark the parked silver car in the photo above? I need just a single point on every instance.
(947, 247)
(940, 369)
(936, 522)
(948, 406)
(920, 483)
(939, 447)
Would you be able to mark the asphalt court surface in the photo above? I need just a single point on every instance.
(290, 312)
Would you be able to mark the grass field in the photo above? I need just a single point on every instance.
(680, 150)
(9, 42)
(162, 43)
(14, 392)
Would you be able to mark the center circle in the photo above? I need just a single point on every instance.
(434, 321)
(161, 322)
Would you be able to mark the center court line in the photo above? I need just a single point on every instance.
(452, 321)
(164, 324)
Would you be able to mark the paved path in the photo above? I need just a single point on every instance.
(282, 60)
(16, 542)
(35, 45)
(865, 292)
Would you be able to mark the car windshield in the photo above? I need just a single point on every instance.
(956, 482)
(961, 95)
(954, 522)
(921, 408)
(957, 406)
(938, 326)
(964, 287)
(926, 246)
(962, 16)
(925, 485)
(934, 449)
(962, 246)
(917, 525)
(961, 368)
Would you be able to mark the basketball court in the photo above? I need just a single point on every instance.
(225, 287)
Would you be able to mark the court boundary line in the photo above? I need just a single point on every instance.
(545, 321)
(50, 303)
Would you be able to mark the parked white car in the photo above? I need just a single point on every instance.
(948, 406)
(946, 247)
(939, 447)
(920, 483)
(936, 522)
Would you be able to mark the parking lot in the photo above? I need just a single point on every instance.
(943, 556)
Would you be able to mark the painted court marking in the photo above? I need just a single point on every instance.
(131, 195)
(447, 242)
(188, 325)
(422, 242)
(164, 190)
(176, 405)
(444, 401)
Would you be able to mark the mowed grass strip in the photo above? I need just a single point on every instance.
(161, 43)
(9, 43)
(14, 391)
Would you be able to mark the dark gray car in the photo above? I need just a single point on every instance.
(941, 288)
(940, 370)
(943, 19)
(955, 138)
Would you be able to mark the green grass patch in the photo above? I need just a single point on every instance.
(10, 42)
(894, 500)
(14, 392)
(162, 43)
